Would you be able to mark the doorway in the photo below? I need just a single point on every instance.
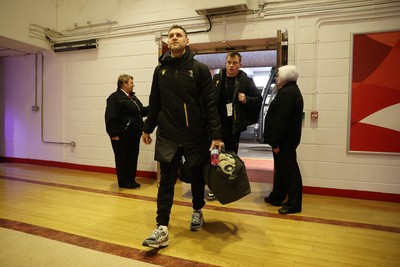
(257, 65)
(260, 58)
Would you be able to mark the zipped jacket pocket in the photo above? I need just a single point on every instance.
(186, 114)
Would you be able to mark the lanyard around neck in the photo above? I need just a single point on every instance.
(227, 91)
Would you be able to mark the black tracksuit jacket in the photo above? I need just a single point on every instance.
(123, 114)
(283, 121)
(186, 113)
(243, 84)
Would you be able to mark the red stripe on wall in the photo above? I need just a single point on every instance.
(368, 195)
(268, 178)
(73, 166)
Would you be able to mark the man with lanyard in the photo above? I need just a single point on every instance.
(236, 92)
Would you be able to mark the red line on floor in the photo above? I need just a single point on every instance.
(148, 256)
(220, 208)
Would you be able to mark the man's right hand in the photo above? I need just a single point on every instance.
(146, 138)
(217, 143)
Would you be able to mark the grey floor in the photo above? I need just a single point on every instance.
(253, 149)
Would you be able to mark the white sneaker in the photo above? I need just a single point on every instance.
(211, 196)
(197, 220)
(159, 238)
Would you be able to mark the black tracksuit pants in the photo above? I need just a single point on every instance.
(126, 151)
(287, 180)
(231, 141)
(166, 188)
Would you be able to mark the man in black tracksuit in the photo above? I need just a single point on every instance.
(187, 118)
(283, 125)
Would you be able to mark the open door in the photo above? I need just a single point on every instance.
(269, 91)
(268, 53)
(268, 94)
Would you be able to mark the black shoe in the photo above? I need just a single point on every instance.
(131, 186)
(136, 184)
(273, 203)
(288, 211)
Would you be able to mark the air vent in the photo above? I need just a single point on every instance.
(76, 45)
(222, 10)
(211, 7)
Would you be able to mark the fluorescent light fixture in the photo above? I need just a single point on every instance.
(76, 45)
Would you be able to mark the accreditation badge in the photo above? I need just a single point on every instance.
(229, 109)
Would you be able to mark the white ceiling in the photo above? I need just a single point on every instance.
(255, 52)
(237, 45)
(10, 48)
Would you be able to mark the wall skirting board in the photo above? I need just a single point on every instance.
(367, 195)
(72, 166)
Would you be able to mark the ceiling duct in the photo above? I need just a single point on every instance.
(73, 46)
(251, 59)
(213, 7)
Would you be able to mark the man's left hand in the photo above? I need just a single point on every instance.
(242, 98)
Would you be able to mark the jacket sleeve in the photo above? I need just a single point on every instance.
(280, 121)
(112, 116)
(154, 105)
(210, 103)
(253, 96)
(143, 109)
(216, 87)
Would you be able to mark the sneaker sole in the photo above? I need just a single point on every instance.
(155, 245)
(196, 228)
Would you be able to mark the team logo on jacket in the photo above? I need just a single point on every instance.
(191, 73)
(163, 72)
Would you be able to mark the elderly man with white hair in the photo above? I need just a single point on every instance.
(283, 125)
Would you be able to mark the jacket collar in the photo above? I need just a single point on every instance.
(166, 58)
(239, 75)
(287, 84)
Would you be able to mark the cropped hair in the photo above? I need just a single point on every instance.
(176, 26)
(234, 54)
(288, 73)
(123, 78)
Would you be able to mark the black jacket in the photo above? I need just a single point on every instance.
(186, 115)
(283, 121)
(243, 84)
(123, 114)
